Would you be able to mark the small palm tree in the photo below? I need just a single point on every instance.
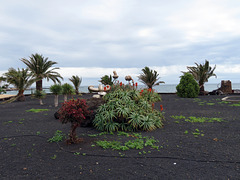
(41, 68)
(67, 89)
(106, 80)
(39, 95)
(20, 79)
(76, 82)
(149, 77)
(56, 89)
(201, 73)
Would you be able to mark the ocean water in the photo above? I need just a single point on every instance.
(163, 88)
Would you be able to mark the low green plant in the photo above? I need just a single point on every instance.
(193, 119)
(58, 136)
(36, 110)
(54, 156)
(197, 133)
(138, 142)
(236, 105)
(8, 122)
(210, 104)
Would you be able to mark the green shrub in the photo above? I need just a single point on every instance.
(127, 111)
(188, 87)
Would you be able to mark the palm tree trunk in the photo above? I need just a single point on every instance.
(39, 85)
(41, 102)
(65, 97)
(201, 89)
(20, 95)
(56, 101)
(76, 91)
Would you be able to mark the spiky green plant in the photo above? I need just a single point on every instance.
(76, 80)
(149, 77)
(41, 68)
(127, 110)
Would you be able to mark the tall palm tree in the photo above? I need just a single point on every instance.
(201, 73)
(41, 68)
(20, 79)
(76, 82)
(149, 77)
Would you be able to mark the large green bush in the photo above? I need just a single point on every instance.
(188, 87)
(128, 110)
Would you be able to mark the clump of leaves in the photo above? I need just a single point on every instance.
(36, 110)
(188, 86)
(193, 119)
(138, 142)
(128, 110)
(197, 133)
(58, 136)
(73, 111)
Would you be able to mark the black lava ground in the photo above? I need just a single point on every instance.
(25, 152)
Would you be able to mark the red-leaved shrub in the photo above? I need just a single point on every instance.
(73, 111)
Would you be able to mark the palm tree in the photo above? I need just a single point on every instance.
(76, 82)
(39, 95)
(201, 73)
(56, 89)
(41, 68)
(149, 77)
(20, 79)
(67, 89)
(106, 80)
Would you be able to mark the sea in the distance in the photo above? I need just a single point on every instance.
(163, 88)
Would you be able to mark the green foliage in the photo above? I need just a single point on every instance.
(197, 133)
(37, 110)
(76, 80)
(138, 142)
(188, 87)
(67, 89)
(41, 68)
(193, 119)
(20, 79)
(58, 137)
(106, 80)
(127, 111)
(236, 105)
(149, 77)
(56, 89)
(39, 94)
(2, 90)
(201, 73)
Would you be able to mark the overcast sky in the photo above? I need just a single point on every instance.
(91, 38)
